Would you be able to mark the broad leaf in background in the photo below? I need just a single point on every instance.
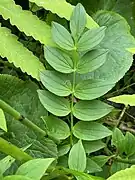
(3, 124)
(124, 99)
(59, 106)
(56, 127)
(92, 166)
(118, 140)
(129, 144)
(101, 159)
(89, 110)
(78, 21)
(16, 177)
(77, 157)
(90, 131)
(35, 169)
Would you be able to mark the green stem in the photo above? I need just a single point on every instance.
(126, 161)
(7, 108)
(13, 151)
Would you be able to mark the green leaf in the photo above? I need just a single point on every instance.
(90, 131)
(35, 169)
(129, 144)
(77, 157)
(56, 83)
(64, 12)
(62, 150)
(16, 177)
(92, 167)
(124, 99)
(101, 160)
(20, 56)
(3, 124)
(91, 39)
(62, 37)
(6, 163)
(78, 21)
(91, 110)
(92, 146)
(118, 140)
(56, 127)
(92, 89)
(58, 106)
(92, 61)
(59, 60)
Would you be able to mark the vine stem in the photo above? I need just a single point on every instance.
(7, 108)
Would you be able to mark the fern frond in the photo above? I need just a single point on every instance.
(26, 21)
(62, 9)
(17, 54)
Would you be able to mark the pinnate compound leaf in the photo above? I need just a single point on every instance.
(92, 89)
(16, 177)
(35, 169)
(64, 12)
(92, 167)
(91, 110)
(77, 157)
(3, 124)
(58, 106)
(124, 99)
(20, 56)
(78, 21)
(92, 61)
(56, 83)
(129, 144)
(90, 131)
(59, 60)
(118, 140)
(62, 37)
(56, 127)
(91, 39)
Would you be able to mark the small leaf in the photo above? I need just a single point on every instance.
(92, 167)
(118, 140)
(92, 89)
(56, 127)
(90, 131)
(3, 124)
(92, 61)
(77, 157)
(91, 38)
(59, 60)
(16, 177)
(78, 21)
(62, 37)
(35, 169)
(93, 146)
(129, 144)
(91, 110)
(58, 106)
(56, 83)
(101, 159)
(6, 163)
(124, 99)
(62, 150)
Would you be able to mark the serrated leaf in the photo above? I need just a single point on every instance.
(129, 144)
(64, 12)
(91, 110)
(26, 22)
(124, 99)
(62, 37)
(20, 56)
(91, 39)
(3, 124)
(92, 89)
(59, 60)
(90, 131)
(34, 169)
(58, 106)
(118, 140)
(77, 157)
(92, 167)
(93, 146)
(56, 83)
(92, 61)
(78, 21)
(56, 127)
(101, 160)
(16, 177)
